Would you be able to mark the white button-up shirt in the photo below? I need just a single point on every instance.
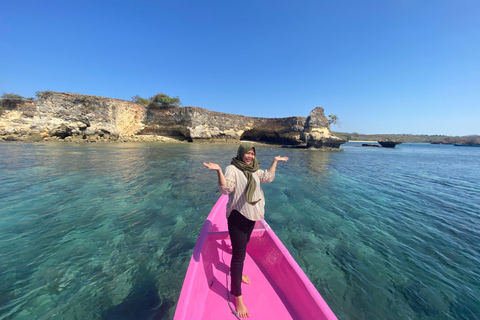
(237, 185)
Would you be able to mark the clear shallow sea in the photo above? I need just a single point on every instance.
(106, 231)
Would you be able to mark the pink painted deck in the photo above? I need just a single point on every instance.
(279, 289)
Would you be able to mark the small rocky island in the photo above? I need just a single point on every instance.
(388, 143)
(382, 144)
(61, 116)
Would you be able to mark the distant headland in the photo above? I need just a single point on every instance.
(411, 138)
(71, 117)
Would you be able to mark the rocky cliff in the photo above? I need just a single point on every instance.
(82, 118)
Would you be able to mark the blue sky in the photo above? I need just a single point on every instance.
(381, 66)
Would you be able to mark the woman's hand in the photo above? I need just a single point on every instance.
(273, 167)
(278, 158)
(212, 166)
(216, 167)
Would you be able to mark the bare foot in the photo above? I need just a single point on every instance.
(245, 279)
(241, 309)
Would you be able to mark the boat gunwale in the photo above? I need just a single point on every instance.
(262, 232)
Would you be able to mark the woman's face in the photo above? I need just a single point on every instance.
(249, 156)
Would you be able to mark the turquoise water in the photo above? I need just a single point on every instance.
(105, 231)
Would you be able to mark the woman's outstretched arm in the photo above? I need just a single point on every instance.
(273, 167)
(213, 166)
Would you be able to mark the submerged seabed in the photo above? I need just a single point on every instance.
(106, 231)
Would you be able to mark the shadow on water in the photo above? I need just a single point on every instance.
(143, 302)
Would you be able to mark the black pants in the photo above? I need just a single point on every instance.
(240, 230)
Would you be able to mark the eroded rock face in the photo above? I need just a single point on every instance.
(59, 115)
(82, 115)
(16, 117)
(197, 124)
(316, 133)
(75, 117)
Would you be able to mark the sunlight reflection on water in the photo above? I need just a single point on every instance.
(100, 231)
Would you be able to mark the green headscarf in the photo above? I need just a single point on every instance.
(247, 169)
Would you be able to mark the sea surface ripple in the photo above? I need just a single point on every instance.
(106, 231)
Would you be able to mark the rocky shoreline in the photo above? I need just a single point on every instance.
(69, 117)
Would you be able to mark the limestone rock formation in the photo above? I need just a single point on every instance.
(387, 143)
(316, 133)
(197, 124)
(74, 117)
(16, 118)
(68, 116)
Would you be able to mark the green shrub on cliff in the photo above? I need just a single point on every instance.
(333, 119)
(140, 100)
(161, 100)
(12, 96)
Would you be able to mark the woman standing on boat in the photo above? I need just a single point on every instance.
(246, 204)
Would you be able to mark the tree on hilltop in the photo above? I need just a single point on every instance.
(140, 100)
(160, 100)
(12, 96)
